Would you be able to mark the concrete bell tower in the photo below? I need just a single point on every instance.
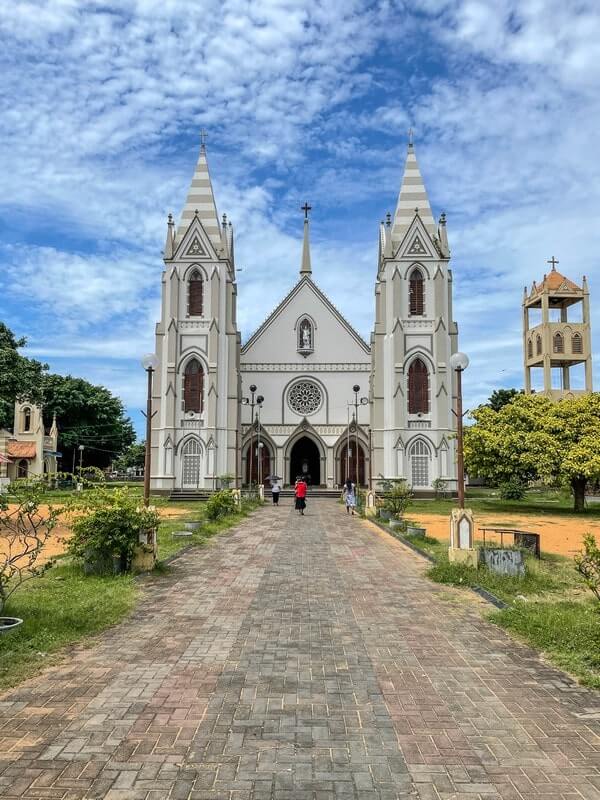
(557, 341)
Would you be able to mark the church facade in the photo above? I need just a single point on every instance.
(305, 394)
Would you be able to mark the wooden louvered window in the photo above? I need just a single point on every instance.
(195, 295)
(529, 348)
(538, 346)
(418, 388)
(193, 385)
(577, 344)
(416, 293)
(558, 343)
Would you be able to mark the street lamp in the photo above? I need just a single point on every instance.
(363, 402)
(252, 401)
(149, 363)
(459, 362)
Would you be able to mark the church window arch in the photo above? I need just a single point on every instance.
(576, 343)
(416, 293)
(418, 387)
(529, 348)
(195, 294)
(306, 336)
(538, 345)
(193, 387)
(420, 458)
(558, 343)
(26, 420)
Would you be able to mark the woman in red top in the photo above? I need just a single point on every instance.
(300, 491)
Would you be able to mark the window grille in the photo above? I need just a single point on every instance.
(195, 295)
(538, 345)
(558, 343)
(416, 293)
(530, 348)
(577, 343)
(191, 463)
(193, 385)
(418, 388)
(420, 455)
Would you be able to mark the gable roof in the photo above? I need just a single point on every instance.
(554, 281)
(21, 449)
(306, 281)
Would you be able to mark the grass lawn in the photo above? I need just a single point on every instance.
(65, 606)
(536, 502)
(549, 608)
(62, 607)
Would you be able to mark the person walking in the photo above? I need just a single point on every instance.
(350, 496)
(300, 492)
(275, 489)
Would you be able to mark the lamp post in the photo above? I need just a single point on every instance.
(81, 448)
(149, 363)
(252, 401)
(459, 362)
(259, 401)
(363, 401)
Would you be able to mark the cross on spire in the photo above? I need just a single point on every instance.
(306, 208)
(410, 137)
(554, 262)
(203, 137)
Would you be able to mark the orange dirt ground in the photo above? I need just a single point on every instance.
(56, 545)
(561, 535)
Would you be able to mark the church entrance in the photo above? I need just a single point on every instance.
(348, 463)
(305, 460)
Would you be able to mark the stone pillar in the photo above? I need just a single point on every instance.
(462, 530)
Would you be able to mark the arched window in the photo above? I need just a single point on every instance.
(193, 386)
(416, 293)
(558, 343)
(22, 468)
(538, 345)
(195, 294)
(420, 455)
(306, 342)
(418, 388)
(576, 343)
(26, 420)
(529, 348)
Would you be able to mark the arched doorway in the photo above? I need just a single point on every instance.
(265, 465)
(191, 464)
(348, 463)
(22, 468)
(305, 460)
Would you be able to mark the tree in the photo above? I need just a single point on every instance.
(500, 397)
(87, 415)
(20, 377)
(134, 456)
(533, 437)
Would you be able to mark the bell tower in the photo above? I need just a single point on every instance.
(558, 341)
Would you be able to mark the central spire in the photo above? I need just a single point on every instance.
(305, 266)
(201, 200)
(412, 198)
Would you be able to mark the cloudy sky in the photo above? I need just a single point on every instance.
(101, 106)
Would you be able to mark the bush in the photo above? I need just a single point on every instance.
(513, 489)
(110, 525)
(588, 564)
(397, 497)
(221, 504)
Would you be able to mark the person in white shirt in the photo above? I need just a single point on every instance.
(275, 489)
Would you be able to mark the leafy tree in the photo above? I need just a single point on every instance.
(20, 377)
(133, 456)
(88, 415)
(500, 397)
(533, 437)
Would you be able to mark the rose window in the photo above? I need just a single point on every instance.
(305, 397)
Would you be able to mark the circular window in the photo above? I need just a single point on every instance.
(305, 397)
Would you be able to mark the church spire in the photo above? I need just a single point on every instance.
(305, 266)
(201, 199)
(412, 198)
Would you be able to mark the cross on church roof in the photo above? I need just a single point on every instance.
(554, 262)
(410, 137)
(306, 208)
(203, 137)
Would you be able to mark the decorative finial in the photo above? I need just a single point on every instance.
(410, 137)
(306, 208)
(388, 219)
(417, 211)
(196, 213)
(554, 262)
(170, 219)
(443, 218)
(224, 219)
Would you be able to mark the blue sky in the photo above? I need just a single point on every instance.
(101, 108)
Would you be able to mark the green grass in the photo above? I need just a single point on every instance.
(60, 608)
(567, 632)
(557, 615)
(536, 502)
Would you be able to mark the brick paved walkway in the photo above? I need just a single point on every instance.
(301, 658)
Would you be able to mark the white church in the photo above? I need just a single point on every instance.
(305, 361)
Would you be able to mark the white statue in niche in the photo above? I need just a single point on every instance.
(305, 335)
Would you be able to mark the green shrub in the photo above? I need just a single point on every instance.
(221, 504)
(588, 564)
(108, 524)
(513, 489)
(397, 496)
